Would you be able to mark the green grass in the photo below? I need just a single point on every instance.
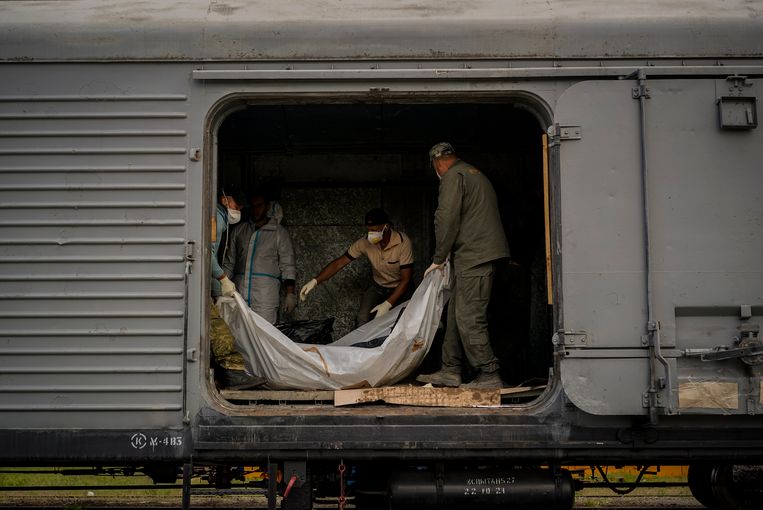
(602, 497)
(79, 499)
(28, 478)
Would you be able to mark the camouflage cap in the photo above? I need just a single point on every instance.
(439, 150)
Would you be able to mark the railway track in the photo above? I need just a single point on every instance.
(673, 495)
(653, 506)
(584, 502)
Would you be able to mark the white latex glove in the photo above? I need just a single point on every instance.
(306, 288)
(289, 302)
(227, 286)
(381, 309)
(432, 267)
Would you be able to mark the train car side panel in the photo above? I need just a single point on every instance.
(702, 288)
(93, 256)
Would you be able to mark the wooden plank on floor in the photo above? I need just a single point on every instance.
(278, 395)
(420, 396)
(521, 391)
(403, 395)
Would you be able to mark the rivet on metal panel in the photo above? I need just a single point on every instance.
(194, 154)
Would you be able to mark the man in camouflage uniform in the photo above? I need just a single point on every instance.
(468, 230)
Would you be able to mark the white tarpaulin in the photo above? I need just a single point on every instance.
(289, 365)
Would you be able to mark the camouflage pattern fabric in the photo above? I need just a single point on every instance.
(223, 342)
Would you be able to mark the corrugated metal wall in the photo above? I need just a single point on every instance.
(92, 249)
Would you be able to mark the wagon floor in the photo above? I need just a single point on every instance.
(405, 395)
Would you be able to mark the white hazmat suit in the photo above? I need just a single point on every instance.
(258, 260)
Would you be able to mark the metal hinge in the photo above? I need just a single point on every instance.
(189, 256)
(640, 91)
(737, 84)
(570, 338)
(557, 133)
(570, 133)
(190, 354)
(658, 399)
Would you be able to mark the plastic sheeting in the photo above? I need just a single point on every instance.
(409, 329)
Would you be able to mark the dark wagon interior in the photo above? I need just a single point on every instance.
(328, 163)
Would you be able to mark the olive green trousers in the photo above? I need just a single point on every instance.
(466, 334)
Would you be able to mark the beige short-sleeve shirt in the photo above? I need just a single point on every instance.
(386, 263)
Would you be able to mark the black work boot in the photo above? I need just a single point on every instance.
(450, 377)
(252, 382)
(238, 380)
(486, 381)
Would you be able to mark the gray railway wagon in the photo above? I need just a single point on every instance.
(637, 288)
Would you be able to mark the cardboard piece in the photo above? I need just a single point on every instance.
(708, 395)
(420, 396)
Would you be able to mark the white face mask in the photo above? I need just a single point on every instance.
(234, 216)
(376, 236)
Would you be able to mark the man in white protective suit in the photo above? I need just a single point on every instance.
(260, 259)
(228, 213)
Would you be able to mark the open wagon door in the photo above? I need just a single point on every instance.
(661, 280)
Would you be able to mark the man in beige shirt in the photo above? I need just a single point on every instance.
(391, 256)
